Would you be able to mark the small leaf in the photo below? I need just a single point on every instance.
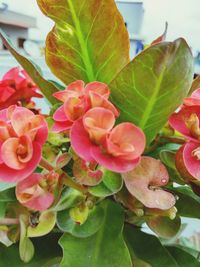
(90, 227)
(110, 185)
(46, 87)
(79, 214)
(26, 248)
(164, 227)
(144, 89)
(69, 199)
(5, 186)
(88, 42)
(47, 221)
(183, 258)
(7, 195)
(148, 248)
(105, 248)
(195, 85)
(2, 209)
(162, 37)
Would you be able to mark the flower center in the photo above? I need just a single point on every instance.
(196, 153)
(192, 124)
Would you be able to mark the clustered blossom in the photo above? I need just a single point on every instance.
(16, 87)
(91, 117)
(186, 121)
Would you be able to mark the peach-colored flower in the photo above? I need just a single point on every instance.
(16, 86)
(78, 99)
(118, 149)
(22, 135)
(194, 99)
(145, 182)
(32, 194)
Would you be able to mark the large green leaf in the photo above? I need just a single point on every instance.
(153, 85)
(188, 204)
(147, 248)
(46, 87)
(183, 258)
(106, 248)
(89, 40)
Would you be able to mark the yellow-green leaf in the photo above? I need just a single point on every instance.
(89, 40)
(153, 85)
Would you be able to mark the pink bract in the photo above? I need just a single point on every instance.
(31, 195)
(16, 86)
(194, 99)
(186, 121)
(187, 161)
(78, 99)
(118, 149)
(22, 135)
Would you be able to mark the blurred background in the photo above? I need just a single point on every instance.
(145, 20)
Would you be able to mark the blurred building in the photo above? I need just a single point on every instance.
(15, 25)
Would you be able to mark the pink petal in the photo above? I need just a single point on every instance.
(126, 141)
(178, 120)
(9, 154)
(98, 122)
(40, 203)
(60, 127)
(80, 141)
(3, 115)
(115, 164)
(100, 101)
(42, 132)
(150, 173)
(10, 175)
(60, 115)
(13, 74)
(99, 88)
(191, 162)
(75, 108)
(76, 86)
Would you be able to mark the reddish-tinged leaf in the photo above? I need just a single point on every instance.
(88, 42)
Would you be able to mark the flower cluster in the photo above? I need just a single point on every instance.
(186, 121)
(91, 117)
(16, 87)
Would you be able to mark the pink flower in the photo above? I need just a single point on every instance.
(194, 99)
(16, 86)
(22, 135)
(118, 149)
(145, 182)
(32, 193)
(187, 161)
(78, 99)
(186, 121)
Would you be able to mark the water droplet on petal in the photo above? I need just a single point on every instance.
(164, 181)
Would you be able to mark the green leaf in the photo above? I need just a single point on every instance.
(89, 40)
(47, 252)
(111, 184)
(147, 248)
(106, 248)
(153, 85)
(164, 227)
(47, 221)
(183, 258)
(188, 204)
(90, 227)
(69, 199)
(26, 248)
(46, 87)
(7, 195)
(2, 209)
(5, 186)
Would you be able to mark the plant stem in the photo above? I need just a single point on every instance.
(46, 165)
(9, 221)
(66, 179)
(69, 182)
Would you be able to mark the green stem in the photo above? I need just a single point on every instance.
(46, 165)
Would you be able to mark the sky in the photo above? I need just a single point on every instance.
(183, 17)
